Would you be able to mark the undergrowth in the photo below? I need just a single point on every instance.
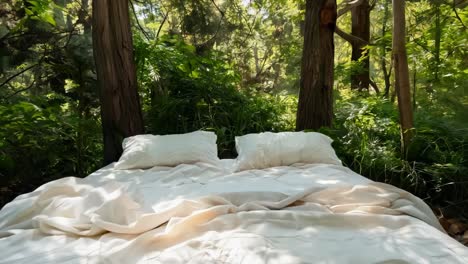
(187, 91)
(183, 91)
(367, 139)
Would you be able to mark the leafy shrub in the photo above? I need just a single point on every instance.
(185, 91)
(41, 143)
(367, 139)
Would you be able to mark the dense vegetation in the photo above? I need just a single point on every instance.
(233, 67)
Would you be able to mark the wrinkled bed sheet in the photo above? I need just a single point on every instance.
(205, 214)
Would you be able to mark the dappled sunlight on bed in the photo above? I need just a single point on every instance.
(198, 213)
(35, 247)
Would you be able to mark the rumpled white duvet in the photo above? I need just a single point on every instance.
(206, 214)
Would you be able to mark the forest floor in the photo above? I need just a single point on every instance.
(456, 227)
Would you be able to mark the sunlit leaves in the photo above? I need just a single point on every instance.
(40, 10)
(185, 91)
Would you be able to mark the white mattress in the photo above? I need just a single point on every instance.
(205, 214)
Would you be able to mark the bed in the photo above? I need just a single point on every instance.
(212, 213)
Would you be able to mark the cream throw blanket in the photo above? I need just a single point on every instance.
(204, 214)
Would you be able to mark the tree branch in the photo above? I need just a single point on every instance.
(454, 7)
(460, 3)
(162, 24)
(350, 38)
(425, 48)
(374, 85)
(217, 30)
(18, 74)
(138, 22)
(19, 91)
(349, 6)
(217, 7)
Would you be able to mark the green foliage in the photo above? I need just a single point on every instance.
(230, 67)
(261, 39)
(344, 70)
(366, 134)
(42, 141)
(185, 92)
(41, 10)
(48, 114)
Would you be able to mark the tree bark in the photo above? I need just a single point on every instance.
(84, 18)
(315, 107)
(353, 40)
(402, 82)
(360, 27)
(383, 50)
(113, 52)
(437, 39)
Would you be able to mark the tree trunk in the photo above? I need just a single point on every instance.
(84, 18)
(315, 107)
(402, 82)
(113, 53)
(360, 27)
(383, 54)
(415, 76)
(383, 50)
(437, 39)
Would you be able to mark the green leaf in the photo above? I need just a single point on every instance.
(194, 74)
(28, 11)
(34, 3)
(46, 17)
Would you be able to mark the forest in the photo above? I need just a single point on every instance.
(386, 80)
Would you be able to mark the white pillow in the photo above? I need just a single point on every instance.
(265, 150)
(145, 151)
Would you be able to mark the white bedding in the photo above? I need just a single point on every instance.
(206, 214)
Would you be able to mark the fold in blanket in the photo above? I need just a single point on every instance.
(200, 214)
(73, 206)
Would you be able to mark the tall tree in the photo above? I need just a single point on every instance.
(113, 52)
(359, 38)
(315, 107)
(437, 39)
(383, 48)
(402, 82)
(360, 27)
